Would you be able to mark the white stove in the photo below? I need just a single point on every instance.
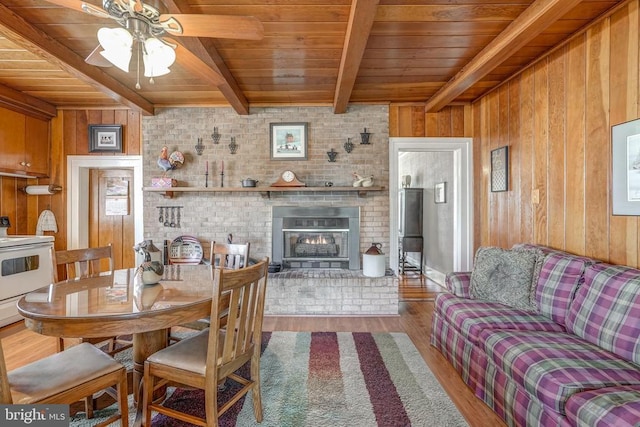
(26, 264)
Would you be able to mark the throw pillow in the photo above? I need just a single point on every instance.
(505, 276)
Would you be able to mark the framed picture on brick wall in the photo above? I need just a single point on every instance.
(288, 141)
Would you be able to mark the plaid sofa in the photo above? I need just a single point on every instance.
(574, 362)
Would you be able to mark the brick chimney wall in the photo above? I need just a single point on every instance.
(212, 216)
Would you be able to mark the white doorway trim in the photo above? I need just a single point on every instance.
(78, 194)
(462, 193)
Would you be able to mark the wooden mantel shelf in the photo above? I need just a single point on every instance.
(265, 191)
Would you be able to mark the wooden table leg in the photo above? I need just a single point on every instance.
(144, 345)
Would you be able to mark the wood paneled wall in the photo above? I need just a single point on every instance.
(69, 136)
(556, 118)
(412, 121)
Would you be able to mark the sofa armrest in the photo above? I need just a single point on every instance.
(459, 283)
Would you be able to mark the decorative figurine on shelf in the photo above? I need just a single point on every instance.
(151, 269)
(163, 160)
(362, 181)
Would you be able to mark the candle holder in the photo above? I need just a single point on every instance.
(215, 135)
(206, 179)
(221, 179)
(233, 147)
(348, 146)
(199, 147)
(332, 155)
(365, 137)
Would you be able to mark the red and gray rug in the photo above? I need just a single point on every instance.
(332, 379)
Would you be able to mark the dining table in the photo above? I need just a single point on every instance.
(119, 303)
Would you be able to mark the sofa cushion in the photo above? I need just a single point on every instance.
(605, 407)
(458, 283)
(505, 276)
(470, 317)
(561, 275)
(606, 310)
(554, 366)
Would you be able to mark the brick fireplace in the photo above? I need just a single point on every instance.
(316, 237)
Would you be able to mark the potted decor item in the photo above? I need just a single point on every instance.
(373, 261)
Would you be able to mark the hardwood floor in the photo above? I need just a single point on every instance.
(416, 308)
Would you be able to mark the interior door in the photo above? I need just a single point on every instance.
(111, 215)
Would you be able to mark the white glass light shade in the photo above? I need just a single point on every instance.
(116, 43)
(157, 57)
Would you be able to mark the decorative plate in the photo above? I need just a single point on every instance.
(185, 250)
(176, 159)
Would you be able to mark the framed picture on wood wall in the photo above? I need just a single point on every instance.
(500, 169)
(625, 168)
(105, 138)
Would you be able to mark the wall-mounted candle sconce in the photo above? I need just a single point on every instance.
(348, 146)
(332, 155)
(215, 135)
(365, 136)
(199, 147)
(233, 147)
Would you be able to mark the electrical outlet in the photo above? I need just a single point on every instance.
(535, 196)
(4, 222)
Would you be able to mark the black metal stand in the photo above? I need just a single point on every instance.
(206, 179)
(221, 179)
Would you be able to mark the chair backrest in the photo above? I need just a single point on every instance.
(242, 335)
(229, 255)
(83, 262)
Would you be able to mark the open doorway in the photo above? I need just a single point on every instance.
(78, 200)
(457, 151)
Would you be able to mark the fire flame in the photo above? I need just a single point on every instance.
(317, 240)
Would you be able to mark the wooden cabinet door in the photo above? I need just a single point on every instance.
(12, 128)
(37, 147)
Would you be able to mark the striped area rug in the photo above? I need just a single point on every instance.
(335, 379)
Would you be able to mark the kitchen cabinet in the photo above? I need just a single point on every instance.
(24, 144)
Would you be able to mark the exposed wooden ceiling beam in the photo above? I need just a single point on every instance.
(26, 104)
(34, 40)
(215, 70)
(361, 19)
(533, 21)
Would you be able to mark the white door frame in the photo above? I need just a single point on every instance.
(462, 190)
(78, 194)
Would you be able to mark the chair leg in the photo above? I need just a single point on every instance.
(211, 407)
(88, 406)
(123, 400)
(255, 391)
(60, 344)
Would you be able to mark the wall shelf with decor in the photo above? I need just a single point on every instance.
(266, 191)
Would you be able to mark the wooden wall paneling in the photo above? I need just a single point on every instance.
(406, 121)
(134, 133)
(431, 124)
(469, 121)
(479, 187)
(59, 176)
(82, 132)
(575, 161)
(503, 139)
(540, 149)
(556, 159)
(394, 111)
(457, 121)
(622, 106)
(485, 187)
(526, 153)
(597, 157)
(8, 188)
(515, 150)
(493, 142)
(445, 125)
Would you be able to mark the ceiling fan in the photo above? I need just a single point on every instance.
(144, 25)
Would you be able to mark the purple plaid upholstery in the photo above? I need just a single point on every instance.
(459, 284)
(466, 358)
(606, 407)
(553, 366)
(606, 310)
(470, 317)
(561, 275)
(514, 405)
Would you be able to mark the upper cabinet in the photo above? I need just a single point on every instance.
(24, 144)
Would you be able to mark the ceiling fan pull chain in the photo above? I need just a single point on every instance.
(138, 66)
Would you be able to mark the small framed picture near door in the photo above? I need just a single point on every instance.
(500, 169)
(105, 138)
(625, 168)
(440, 192)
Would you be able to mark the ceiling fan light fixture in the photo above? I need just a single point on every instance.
(116, 43)
(157, 57)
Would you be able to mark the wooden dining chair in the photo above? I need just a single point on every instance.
(208, 358)
(229, 255)
(83, 263)
(65, 378)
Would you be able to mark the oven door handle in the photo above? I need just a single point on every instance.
(26, 247)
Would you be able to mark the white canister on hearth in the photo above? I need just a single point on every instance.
(373, 261)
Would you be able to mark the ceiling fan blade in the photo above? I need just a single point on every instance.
(218, 26)
(96, 59)
(81, 6)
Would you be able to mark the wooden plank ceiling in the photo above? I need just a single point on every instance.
(314, 52)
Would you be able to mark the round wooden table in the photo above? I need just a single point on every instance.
(119, 304)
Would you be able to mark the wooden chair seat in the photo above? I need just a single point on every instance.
(208, 358)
